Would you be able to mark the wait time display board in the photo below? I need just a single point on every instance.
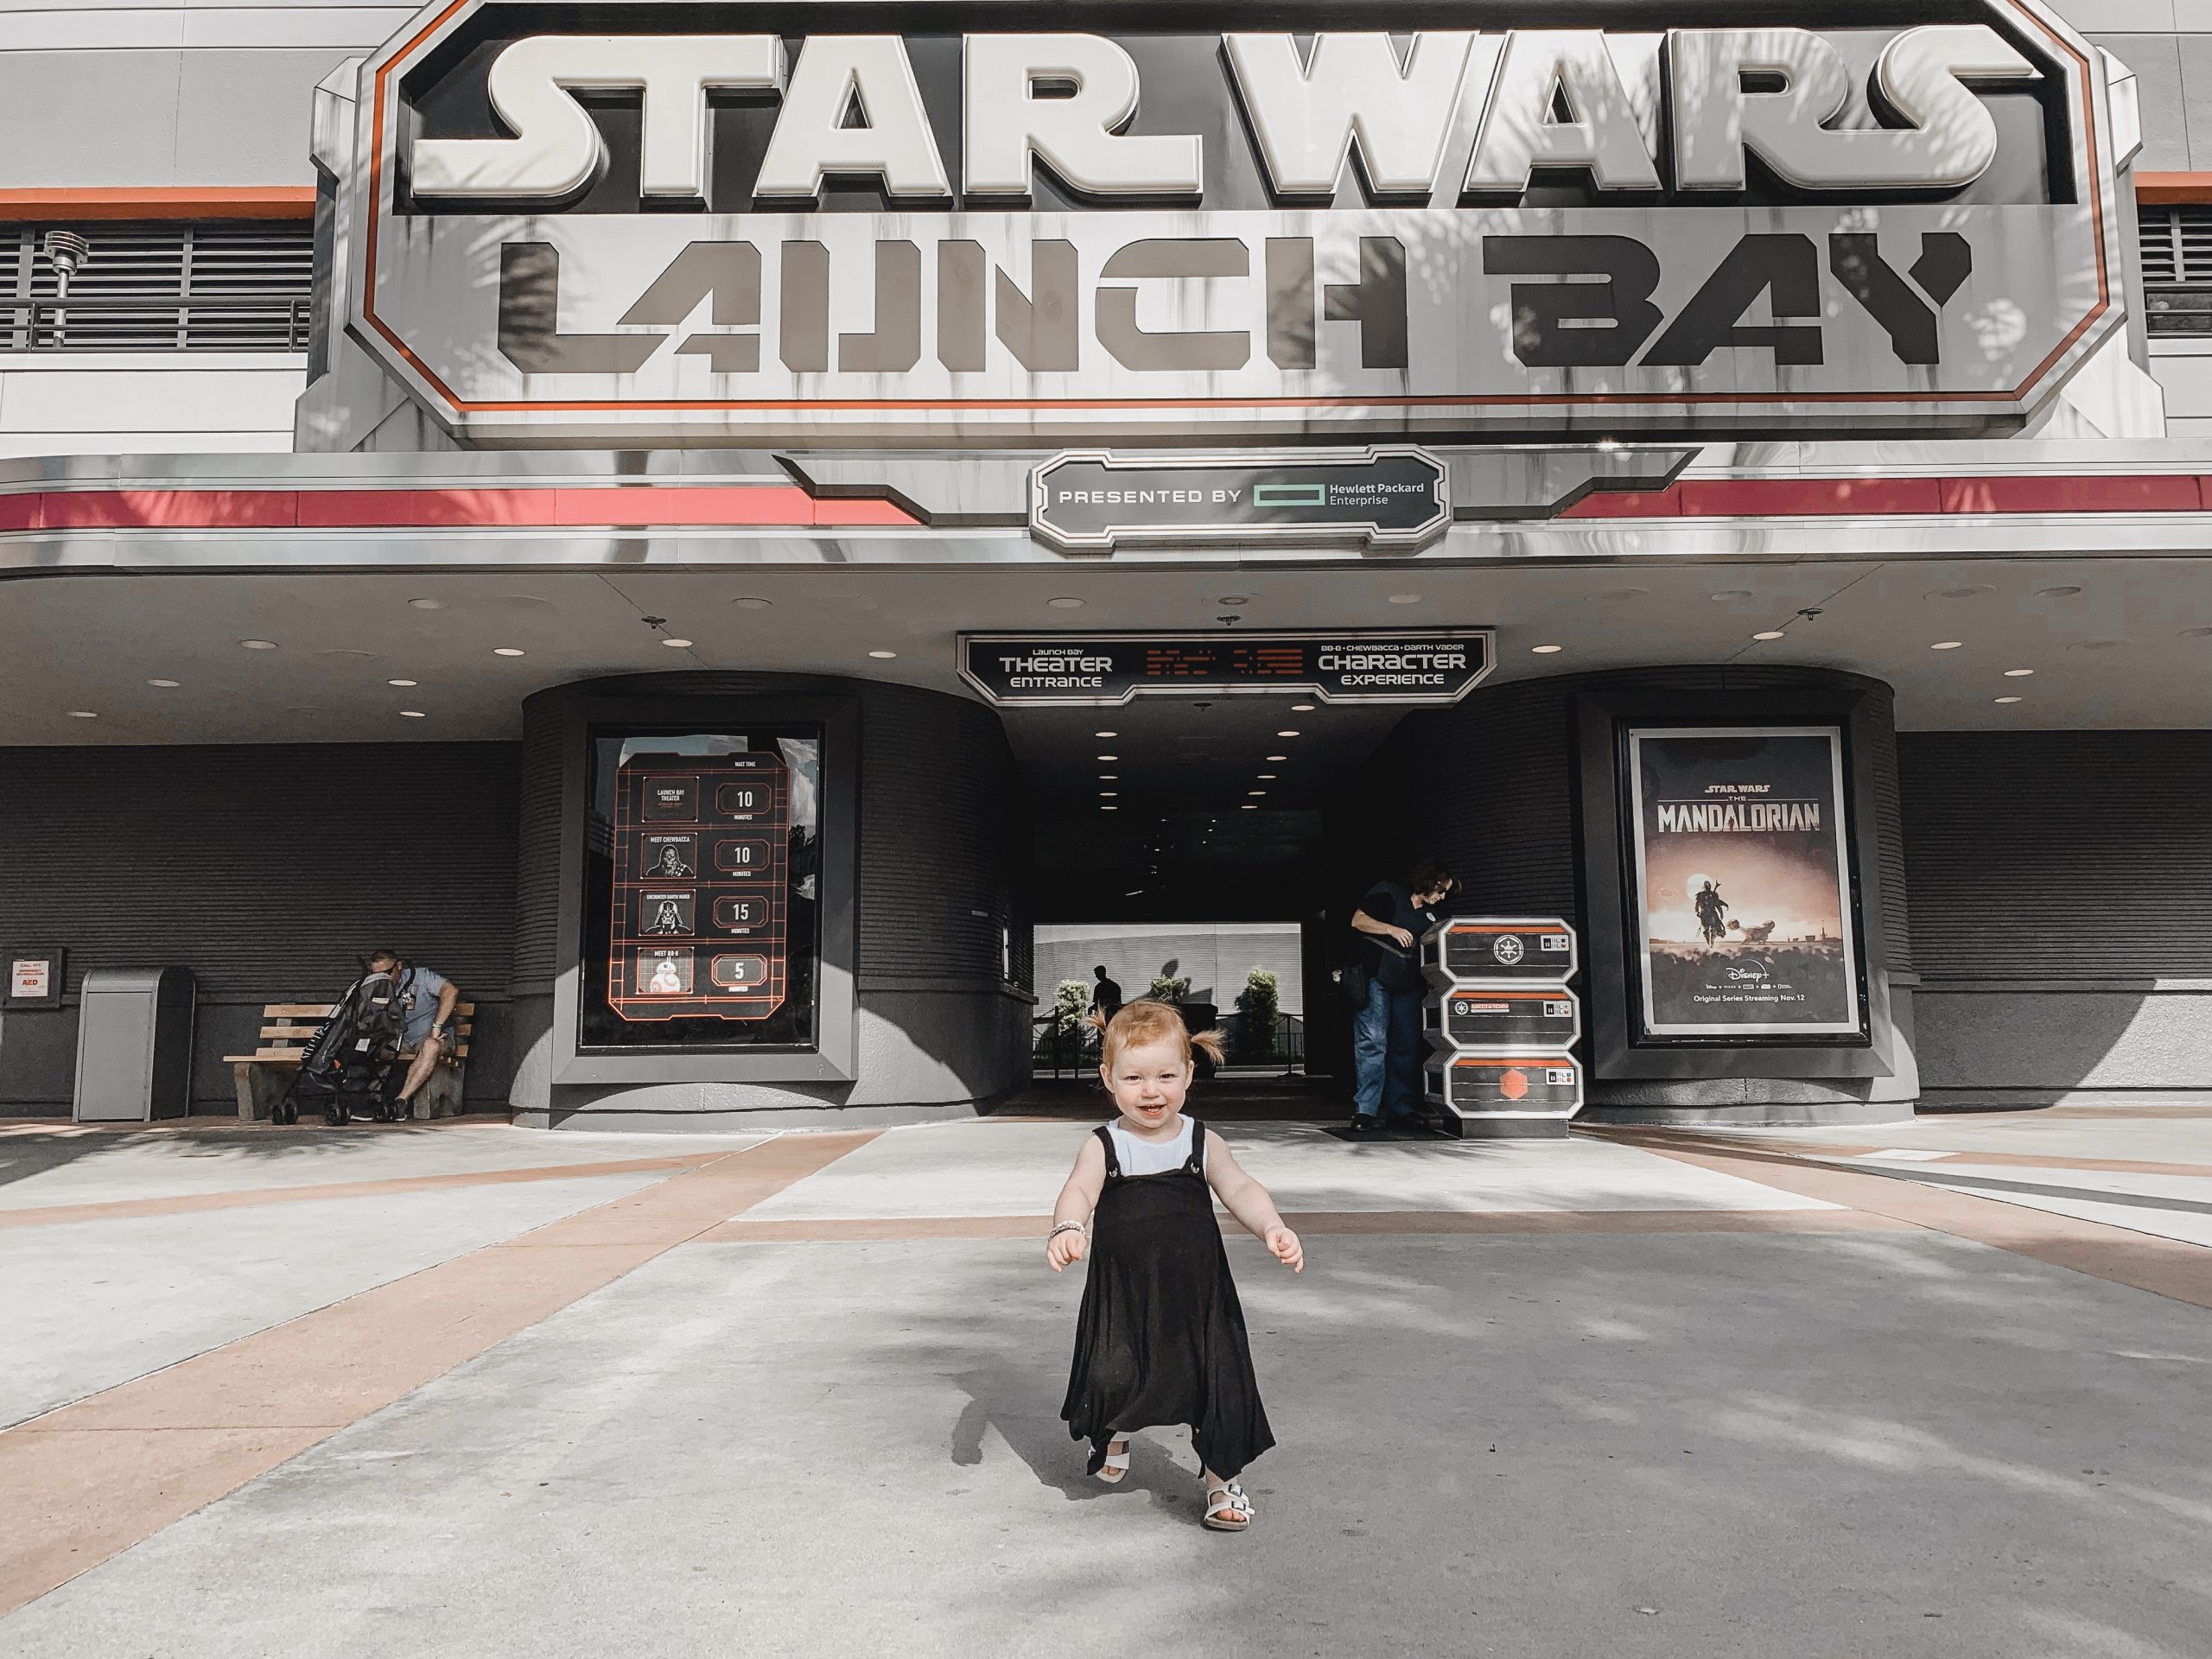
(701, 896)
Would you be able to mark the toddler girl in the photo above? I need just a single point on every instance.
(1160, 1339)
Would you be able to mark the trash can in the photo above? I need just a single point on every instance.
(133, 1044)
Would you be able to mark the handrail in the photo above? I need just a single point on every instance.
(160, 322)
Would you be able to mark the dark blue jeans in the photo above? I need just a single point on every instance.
(1386, 1052)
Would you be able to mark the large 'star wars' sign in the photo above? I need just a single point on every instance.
(734, 222)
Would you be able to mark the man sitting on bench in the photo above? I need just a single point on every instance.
(429, 998)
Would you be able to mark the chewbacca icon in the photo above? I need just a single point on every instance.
(667, 919)
(667, 981)
(672, 860)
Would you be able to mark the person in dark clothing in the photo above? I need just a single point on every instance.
(1160, 1339)
(1386, 1039)
(1106, 994)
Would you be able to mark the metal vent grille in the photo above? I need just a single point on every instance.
(160, 287)
(2176, 268)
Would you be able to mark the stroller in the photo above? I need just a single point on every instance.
(355, 1056)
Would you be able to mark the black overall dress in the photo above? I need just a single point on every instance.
(1160, 1336)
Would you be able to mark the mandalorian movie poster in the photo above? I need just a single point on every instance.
(1742, 882)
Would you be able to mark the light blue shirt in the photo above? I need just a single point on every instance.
(424, 989)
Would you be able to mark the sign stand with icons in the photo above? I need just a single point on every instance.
(1504, 1024)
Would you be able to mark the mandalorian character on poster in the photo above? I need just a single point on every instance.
(1742, 879)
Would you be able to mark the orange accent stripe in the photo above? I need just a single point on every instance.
(139, 201)
(2173, 189)
(87, 1481)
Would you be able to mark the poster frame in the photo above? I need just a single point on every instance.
(1633, 736)
(834, 1057)
(1617, 1048)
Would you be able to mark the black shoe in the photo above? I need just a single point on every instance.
(1363, 1125)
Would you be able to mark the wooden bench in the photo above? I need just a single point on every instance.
(286, 1028)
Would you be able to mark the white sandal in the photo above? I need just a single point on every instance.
(1116, 1464)
(1225, 1500)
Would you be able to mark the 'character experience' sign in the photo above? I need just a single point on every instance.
(718, 220)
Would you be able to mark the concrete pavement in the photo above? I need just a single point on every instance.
(1553, 1399)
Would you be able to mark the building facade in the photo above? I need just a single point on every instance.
(578, 509)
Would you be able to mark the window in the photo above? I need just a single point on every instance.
(2176, 268)
(160, 287)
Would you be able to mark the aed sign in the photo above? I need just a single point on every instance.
(942, 223)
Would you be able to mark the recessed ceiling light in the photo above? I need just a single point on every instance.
(2007, 699)
(1286, 734)
(83, 713)
(1109, 778)
(2057, 592)
(403, 682)
(1109, 794)
(1266, 776)
(508, 651)
(258, 645)
(2018, 673)
(412, 714)
(1066, 603)
(166, 685)
(1768, 633)
(1105, 734)
(1405, 599)
(1255, 793)
(1236, 599)
(677, 644)
(1110, 808)
(752, 602)
(1301, 708)
(1248, 807)
(1545, 651)
(1959, 592)
(1277, 757)
(427, 604)
(1946, 644)
(1730, 592)
(883, 656)
(1110, 757)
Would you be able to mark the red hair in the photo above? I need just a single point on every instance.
(1149, 1020)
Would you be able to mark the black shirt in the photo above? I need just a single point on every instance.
(1394, 969)
(1106, 997)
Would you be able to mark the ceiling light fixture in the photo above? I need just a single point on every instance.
(1248, 807)
(1301, 708)
(508, 651)
(258, 645)
(1286, 734)
(1545, 651)
(1946, 644)
(752, 602)
(1236, 599)
(1255, 793)
(1768, 633)
(412, 714)
(2007, 699)
(883, 656)
(1959, 592)
(677, 644)
(403, 682)
(1066, 603)
(1277, 757)
(1405, 599)
(1730, 592)
(1110, 808)
(2057, 592)
(166, 685)
(2018, 673)
(426, 604)
(83, 714)
(1109, 794)
(1105, 734)
(1266, 776)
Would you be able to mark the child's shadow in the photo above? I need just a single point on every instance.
(1018, 1405)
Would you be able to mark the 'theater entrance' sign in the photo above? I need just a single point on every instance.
(1105, 671)
(1590, 216)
